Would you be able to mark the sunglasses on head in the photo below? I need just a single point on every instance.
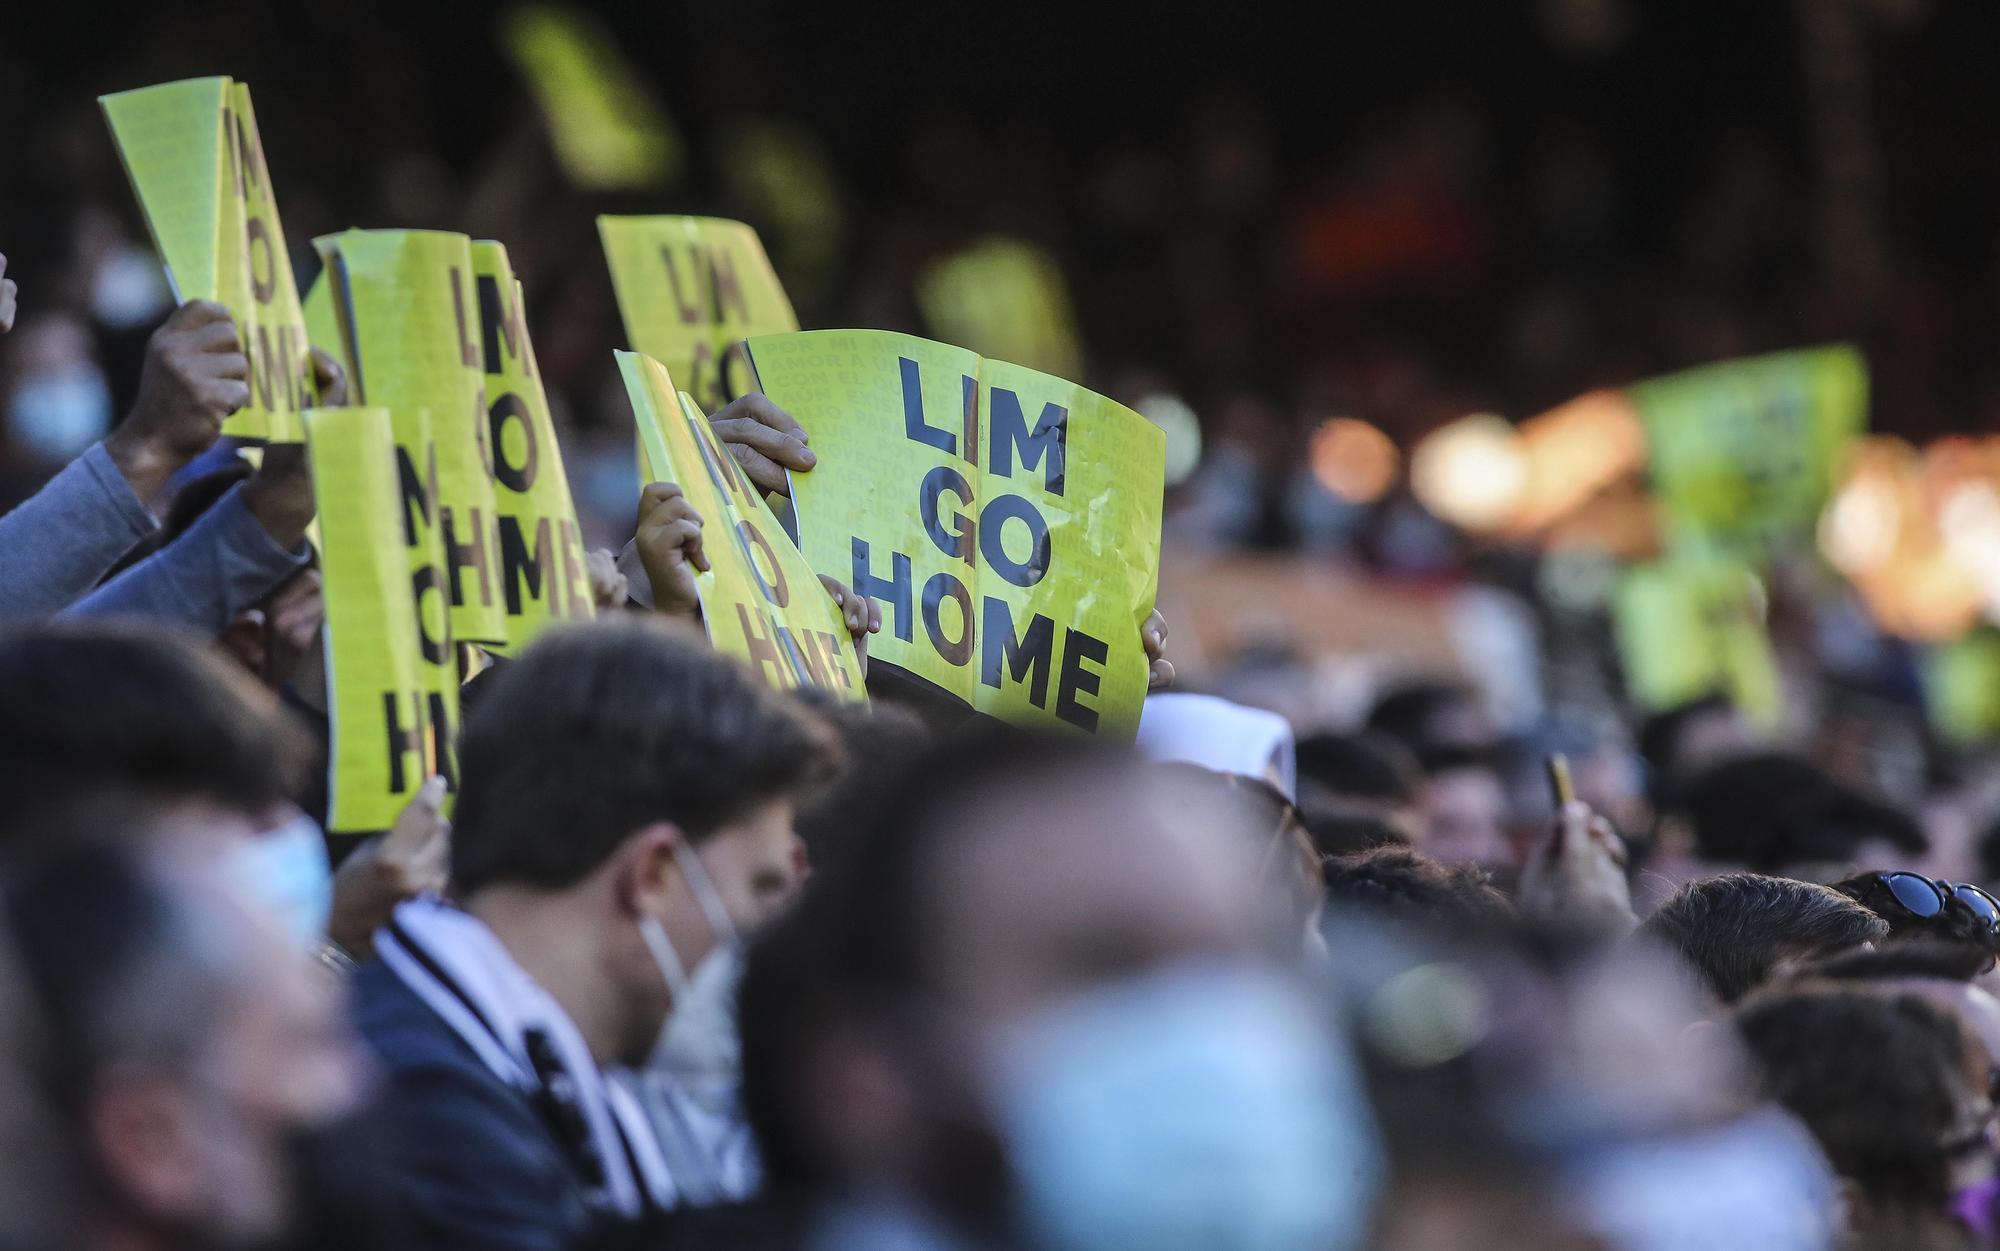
(1926, 898)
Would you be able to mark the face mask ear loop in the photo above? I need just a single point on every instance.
(672, 971)
(720, 924)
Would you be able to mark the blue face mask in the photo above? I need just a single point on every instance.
(58, 414)
(286, 872)
(1200, 1107)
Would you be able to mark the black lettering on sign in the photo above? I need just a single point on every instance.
(1079, 647)
(893, 591)
(263, 370)
(419, 493)
(749, 537)
(971, 399)
(249, 155)
(733, 375)
(763, 644)
(941, 587)
(993, 520)
(914, 425)
(264, 275)
(828, 646)
(519, 477)
(807, 662)
(1026, 656)
(722, 468)
(444, 757)
(403, 740)
(436, 648)
(522, 571)
(722, 281)
(691, 308)
(468, 347)
(459, 557)
(1044, 445)
(959, 540)
(501, 328)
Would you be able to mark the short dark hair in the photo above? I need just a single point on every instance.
(1407, 887)
(99, 707)
(599, 730)
(1358, 766)
(1895, 961)
(1342, 829)
(1770, 810)
(1734, 930)
(1660, 734)
(1875, 1075)
(1407, 713)
(879, 741)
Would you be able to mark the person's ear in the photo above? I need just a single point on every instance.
(643, 868)
(144, 1130)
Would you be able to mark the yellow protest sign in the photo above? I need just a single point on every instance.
(543, 576)
(420, 513)
(690, 289)
(608, 131)
(1007, 521)
(194, 157)
(1693, 626)
(408, 311)
(1743, 453)
(384, 742)
(323, 322)
(1006, 298)
(760, 600)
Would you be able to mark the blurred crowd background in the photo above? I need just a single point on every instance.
(1308, 249)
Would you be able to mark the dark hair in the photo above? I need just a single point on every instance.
(1957, 925)
(1660, 734)
(879, 741)
(1734, 930)
(881, 916)
(1358, 766)
(1408, 713)
(1894, 961)
(1770, 811)
(1342, 830)
(599, 730)
(97, 707)
(784, 1004)
(1875, 1075)
(1406, 887)
(1453, 757)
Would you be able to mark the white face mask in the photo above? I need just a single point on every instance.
(286, 872)
(707, 996)
(1196, 1108)
(57, 414)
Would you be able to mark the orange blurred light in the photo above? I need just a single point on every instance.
(1354, 460)
(1472, 473)
(1574, 452)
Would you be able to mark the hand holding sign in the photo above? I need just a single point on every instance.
(669, 544)
(194, 377)
(765, 440)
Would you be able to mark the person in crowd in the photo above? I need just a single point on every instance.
(195, 1062)
(1403, 887)
(1348, 774)
(1465, 813)
(1779, 814)
(1288, 865)
(1737, 931)
(1432, 715)
(879, 742)
(1897, 1091)
(1919, 908)
(1034, 1006)
(55, 547)
(625, 811)
(1219, 734)
(1688, 737)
